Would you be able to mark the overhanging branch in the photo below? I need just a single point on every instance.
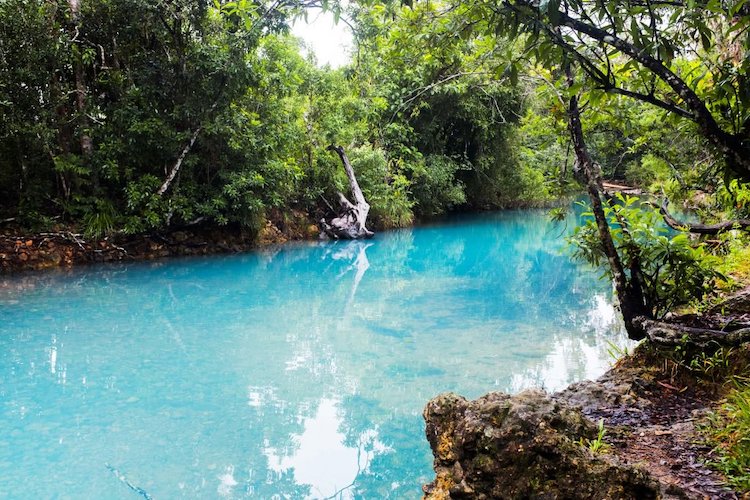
(700, 228)
(651, 99)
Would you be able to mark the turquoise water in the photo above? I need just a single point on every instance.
(298, 371)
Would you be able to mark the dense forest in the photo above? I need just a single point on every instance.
(131, 116)
(125, 117)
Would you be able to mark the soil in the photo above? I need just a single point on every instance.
(660, 431)
(63, 246)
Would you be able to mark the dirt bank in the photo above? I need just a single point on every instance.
(538, 445)
(64, 246)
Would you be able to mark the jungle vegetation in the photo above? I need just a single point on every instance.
(132, 116)
(129, 116)
(135, 116)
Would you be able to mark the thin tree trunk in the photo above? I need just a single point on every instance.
(178, 163)
(86, 143)
(181, 158)
(630, 299)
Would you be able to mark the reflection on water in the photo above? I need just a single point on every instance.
(323, 459)
(298, 371)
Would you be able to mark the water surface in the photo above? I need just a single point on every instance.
(293, 372)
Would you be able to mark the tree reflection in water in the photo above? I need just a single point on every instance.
(297, 371)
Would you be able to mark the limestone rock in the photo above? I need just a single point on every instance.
(522, 446)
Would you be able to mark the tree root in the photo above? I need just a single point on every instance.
(665, 334)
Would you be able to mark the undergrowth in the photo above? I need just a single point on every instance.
(728, 430)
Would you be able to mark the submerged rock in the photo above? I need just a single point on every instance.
(523, 446)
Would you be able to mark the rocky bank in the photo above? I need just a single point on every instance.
(539, 445)
(64, 247)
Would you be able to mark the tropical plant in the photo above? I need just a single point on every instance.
(670, 269)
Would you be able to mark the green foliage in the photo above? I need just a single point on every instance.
(436, 186)
(393, 208)
(442, 112)
(101, 221)
(648, 171)
(597, 445)
(544, 137)
(386, 189)
(647, 53)
(135, 81)
(672, 270)
(735, 197)
(716, 365)
(728, 430)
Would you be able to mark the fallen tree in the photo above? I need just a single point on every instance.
(350, 222)
(697, 228)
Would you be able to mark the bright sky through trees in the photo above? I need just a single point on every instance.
(330, 42)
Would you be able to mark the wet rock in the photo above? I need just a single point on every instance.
(616, 390)
(522, 446)
(65, 247)
(270, 234)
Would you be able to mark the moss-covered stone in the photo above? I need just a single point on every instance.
(522, 446)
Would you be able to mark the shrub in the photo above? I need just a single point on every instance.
(435, 187)
(673, 270)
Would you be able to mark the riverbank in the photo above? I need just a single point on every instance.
(65, 247)
(633, 433)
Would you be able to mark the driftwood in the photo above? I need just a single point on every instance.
(352, 217)
(700, 228)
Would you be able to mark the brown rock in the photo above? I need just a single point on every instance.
(522, 446)
(180, 236)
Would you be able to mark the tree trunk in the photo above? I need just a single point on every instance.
(181, 158)
(638, 320)
(630, 297)
(178, 163)
(86, 143)
(352, 218)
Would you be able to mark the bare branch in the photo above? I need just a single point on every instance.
(700, 228)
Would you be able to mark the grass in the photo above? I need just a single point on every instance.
(738, 263)
(616, 352)
(597, 445)
(728, 429)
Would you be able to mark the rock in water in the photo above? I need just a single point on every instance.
(522, 446)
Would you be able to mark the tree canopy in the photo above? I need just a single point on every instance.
(132, 116)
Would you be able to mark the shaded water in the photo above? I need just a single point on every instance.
(299, 371)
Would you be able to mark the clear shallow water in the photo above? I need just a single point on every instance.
(299, 371)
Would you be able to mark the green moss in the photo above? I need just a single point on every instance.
(483, 462)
